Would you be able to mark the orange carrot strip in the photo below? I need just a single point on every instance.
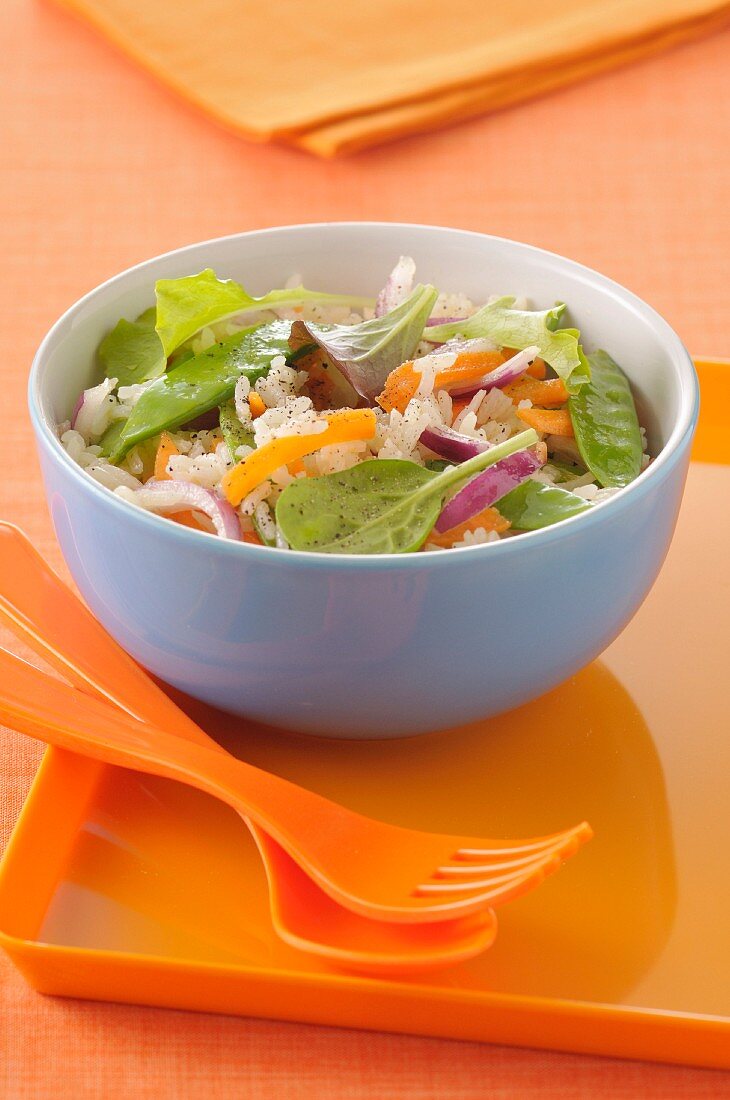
(551, 421)
(166, 449)
(255, 404)
(295, 467)
(548, 394)
(458, 404)
(400, 386)
(489, 519)
(402, 383)
(187, 519)
(252, 537)
(469, 365)
(343, 426)
(536, 369)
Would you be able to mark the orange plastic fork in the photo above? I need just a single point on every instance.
(53, 621)
(376, 869)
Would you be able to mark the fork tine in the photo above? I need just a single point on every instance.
(583, 830)
(495, 866)
(487, 883)
(512, 885)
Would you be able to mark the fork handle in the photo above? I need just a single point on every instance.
(49, 617)
(42, 707)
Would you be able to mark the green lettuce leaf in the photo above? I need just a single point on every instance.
(185, 306)
(132, 351)
(521, 328)
(366, 353)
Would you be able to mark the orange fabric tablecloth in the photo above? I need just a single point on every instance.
(102, 168)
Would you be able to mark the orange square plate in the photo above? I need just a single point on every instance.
(148, 892)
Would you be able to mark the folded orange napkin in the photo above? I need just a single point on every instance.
(333, 77)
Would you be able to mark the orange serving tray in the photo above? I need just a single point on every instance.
(122, 888)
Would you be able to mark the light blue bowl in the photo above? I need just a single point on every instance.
(370, 646)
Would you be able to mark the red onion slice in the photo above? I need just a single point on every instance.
(433, 321)
(167, 497)
(77, 408)
(510, 371)
(398, 286)
(487, 488)
(452, 445)
(207, 421)
(459, 345)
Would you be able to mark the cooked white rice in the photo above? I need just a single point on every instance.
(204, 459)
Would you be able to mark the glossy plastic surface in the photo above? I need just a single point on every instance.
(325, 643)
(370, 866)
(46, 615)
(122, 888)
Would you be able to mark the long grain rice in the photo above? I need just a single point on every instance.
(203, 459)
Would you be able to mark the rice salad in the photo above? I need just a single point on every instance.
(420, 421)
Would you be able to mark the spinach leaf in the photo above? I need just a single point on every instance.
(521, 328)
(185, 306)
(383, 506)
(235, 435)
(532, 505)
(201, 383)
(606, 425)
(366, 353)
(132, 351)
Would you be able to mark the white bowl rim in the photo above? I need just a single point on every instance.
(681, 433)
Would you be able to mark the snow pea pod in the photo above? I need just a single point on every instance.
(605, 423)
(532, 505)
(110, 439)
(565, 471)
(235, 435)
(199, 384)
